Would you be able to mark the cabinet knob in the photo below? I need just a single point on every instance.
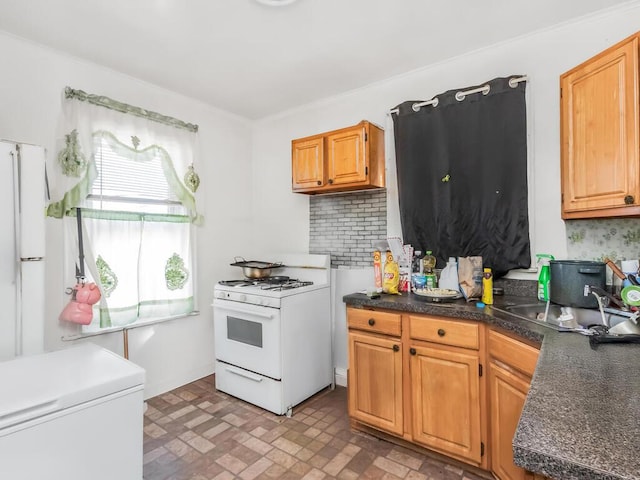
(628, 200)
(396, 348)
(372, 322)
(319, 182)
(412, 351)
(441, 332)
(330, 181)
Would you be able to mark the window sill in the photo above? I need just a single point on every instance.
(139, 324)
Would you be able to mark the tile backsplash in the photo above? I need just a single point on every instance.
(348, 226)
(616, 238)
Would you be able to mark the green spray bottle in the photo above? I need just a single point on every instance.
(545, 275)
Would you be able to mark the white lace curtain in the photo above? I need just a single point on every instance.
(141, 259)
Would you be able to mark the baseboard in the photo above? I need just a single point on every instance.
(153, 390)
(341, 377)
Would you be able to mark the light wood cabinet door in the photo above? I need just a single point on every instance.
(508, 392)
(307, 163)
(599, 134)
(445, 395)
(375, 381)
(346, 159)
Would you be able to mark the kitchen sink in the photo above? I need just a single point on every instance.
(570, 318)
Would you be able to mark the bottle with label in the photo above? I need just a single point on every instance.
(449, 275)
(487, 287)
(429, 263)
(418, 280)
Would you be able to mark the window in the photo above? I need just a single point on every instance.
(140, 235)
(132, 177)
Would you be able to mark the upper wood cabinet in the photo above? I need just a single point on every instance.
(351, 158)
(599, 127)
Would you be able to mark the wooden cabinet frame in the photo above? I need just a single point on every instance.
(342, 160)
(600, 134)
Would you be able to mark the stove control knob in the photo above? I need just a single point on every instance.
(221, 295)
(242, 298)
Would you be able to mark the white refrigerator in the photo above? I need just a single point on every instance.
(72, 414)
(22, 247)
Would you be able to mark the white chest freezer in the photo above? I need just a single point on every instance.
(73, 414)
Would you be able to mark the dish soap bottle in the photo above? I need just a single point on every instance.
(429, 262)
(487, 287)
(449, 275)
(545, 276)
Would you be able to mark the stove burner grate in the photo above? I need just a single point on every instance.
(268, 283)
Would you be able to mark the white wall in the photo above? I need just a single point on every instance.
(31, 91)
(542, 57)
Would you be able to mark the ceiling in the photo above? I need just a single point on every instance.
(256, 61)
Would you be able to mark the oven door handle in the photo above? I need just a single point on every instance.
(242, 373)
(268, 316)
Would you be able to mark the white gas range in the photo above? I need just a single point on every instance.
(273, 338)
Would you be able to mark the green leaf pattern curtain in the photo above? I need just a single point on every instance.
(142, 262)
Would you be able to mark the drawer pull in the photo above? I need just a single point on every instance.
(412, 351)
(396, 348)
(372, 322)
(441, 332)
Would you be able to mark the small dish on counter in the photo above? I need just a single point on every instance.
(437, 294)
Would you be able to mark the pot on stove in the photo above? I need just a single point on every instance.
(571, 279)
(254, 268)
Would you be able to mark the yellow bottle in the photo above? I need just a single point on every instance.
(487, 287)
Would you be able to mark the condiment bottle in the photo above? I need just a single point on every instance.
(487, 287)
(429, 262)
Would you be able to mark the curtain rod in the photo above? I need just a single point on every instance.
(102, 101)
(513, 82)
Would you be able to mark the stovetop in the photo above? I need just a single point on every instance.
(276, 283)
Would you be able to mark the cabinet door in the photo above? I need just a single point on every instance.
(599, 132)
(307, 167)
(507, 392)
(346, 157)
(375, 381)
(445, 395)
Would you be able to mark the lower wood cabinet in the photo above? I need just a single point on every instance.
(375, 381)
(418, 377)
(445, 398)
(511, 365)
(424, 379)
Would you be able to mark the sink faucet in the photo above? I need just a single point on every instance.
(599, 293)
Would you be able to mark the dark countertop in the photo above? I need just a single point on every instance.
(581, 419)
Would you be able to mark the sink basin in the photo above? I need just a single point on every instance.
(569, 318)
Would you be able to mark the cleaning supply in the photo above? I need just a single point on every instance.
(545, 276)
(449, 275)
(487, 286)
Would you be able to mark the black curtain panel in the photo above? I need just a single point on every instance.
(462, 175)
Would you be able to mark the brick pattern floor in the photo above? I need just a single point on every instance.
(197, 433)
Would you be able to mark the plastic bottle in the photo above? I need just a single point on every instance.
(545, 275)
(429, 262)
(449, 275)
(487, 287)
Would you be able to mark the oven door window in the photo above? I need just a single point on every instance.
(244, 331)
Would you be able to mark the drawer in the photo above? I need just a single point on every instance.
(519, 355)
(374, 321)
(447, 332)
